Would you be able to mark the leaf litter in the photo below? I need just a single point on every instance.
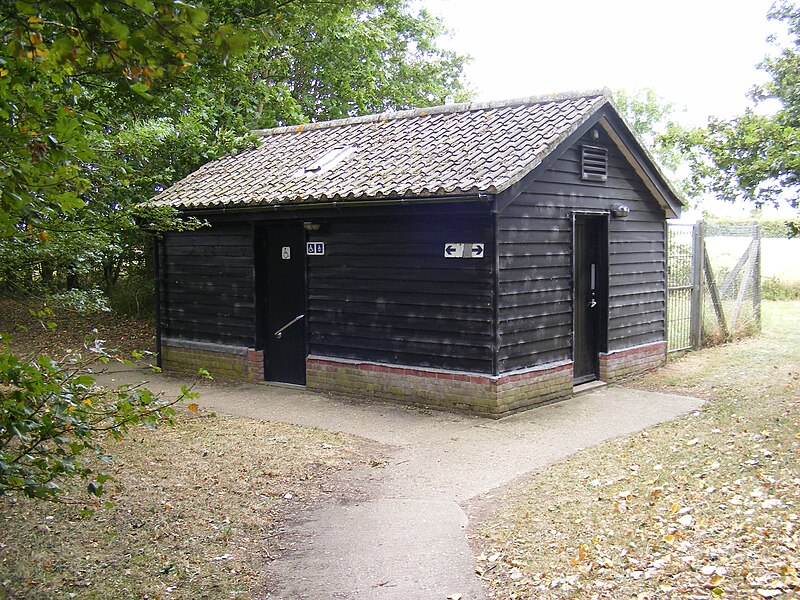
(705, 506)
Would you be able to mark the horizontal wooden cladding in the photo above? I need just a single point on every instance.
(399, 314)
(634, 267)
(547, 316)
(628, 339)
(536, 350)
(464, 275)
(380, 354)
(422, 351)
(385, 292)
(208, 239)
(551, 236)
(397, 303)
(530, 300)
(562, 257)
(421, 286)
(202, 252)
(242, 310)
(403, 335)
(208, 289)
(522, 274)
(535, 246)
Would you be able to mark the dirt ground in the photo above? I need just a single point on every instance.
(26, 321)
(701, 507)
(192, 512)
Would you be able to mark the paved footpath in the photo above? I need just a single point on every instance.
(405, 536)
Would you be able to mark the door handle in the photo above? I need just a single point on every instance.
(593, 303)
(280, 331)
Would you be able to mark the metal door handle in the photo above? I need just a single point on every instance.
(593, 303)
(280, 331)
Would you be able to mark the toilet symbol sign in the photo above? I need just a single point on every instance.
(315, 248)
(463, 250)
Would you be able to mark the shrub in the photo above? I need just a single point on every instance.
(774, 288)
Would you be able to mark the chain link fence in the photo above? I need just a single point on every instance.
(714, 283)
(732, 301)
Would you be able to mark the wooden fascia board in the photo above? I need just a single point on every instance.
(650, 175)
(510, 194)
(627, 144)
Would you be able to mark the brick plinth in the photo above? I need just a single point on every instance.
(492, 396)
(621, 363)
(244, 364)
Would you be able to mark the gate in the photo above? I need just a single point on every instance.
(684, 286)
(718, 266)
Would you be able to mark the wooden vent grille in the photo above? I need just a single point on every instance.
(594, 163)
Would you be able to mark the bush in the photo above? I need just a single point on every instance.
(52, 412)
(774, 288)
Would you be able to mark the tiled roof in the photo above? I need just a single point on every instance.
(443, 151)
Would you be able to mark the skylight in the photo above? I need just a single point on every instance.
(327, 161)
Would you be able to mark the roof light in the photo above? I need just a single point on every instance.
(328, 160)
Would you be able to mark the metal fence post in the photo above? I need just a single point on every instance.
(698, 254)
(757, 276)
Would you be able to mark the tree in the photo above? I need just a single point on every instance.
(146, 124)
(104, 104)
(53, 54)
(651, 117)
(755, 157)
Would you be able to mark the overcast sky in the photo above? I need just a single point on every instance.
(700, 54)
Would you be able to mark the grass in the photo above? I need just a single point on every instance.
(704, 506)
(196, 508)
(196, 513)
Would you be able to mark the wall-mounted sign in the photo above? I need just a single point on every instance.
(463, 250)
(286, 253)
(315, 248)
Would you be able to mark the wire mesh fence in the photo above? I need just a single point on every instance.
(732, 302)
(680, 285)
(714, 283)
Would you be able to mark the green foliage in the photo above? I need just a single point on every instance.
(110, 104)
(775, 288)
(52, 412)
(651, 117)
(754, 157)
(51, 54)
(770, 228)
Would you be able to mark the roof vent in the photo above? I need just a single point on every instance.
(594, 163)
(327, 161)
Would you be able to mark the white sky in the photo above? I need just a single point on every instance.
(699, 54)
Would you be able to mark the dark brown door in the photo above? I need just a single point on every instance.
(590, 295)
(285, 295)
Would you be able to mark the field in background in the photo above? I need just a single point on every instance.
(780, 257)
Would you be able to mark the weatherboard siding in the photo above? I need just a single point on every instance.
(534, 236)
(384, 292)
(207, 292)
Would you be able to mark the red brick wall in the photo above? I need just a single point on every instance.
(622, 363)
(478, 394)
(246, 364)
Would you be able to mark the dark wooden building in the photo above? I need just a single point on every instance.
(483, 257)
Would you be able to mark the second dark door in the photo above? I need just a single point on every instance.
(590, 295)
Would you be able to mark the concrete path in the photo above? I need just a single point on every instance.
(406, 535)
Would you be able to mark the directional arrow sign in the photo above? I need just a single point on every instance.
(477, 251)
(453, 250)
